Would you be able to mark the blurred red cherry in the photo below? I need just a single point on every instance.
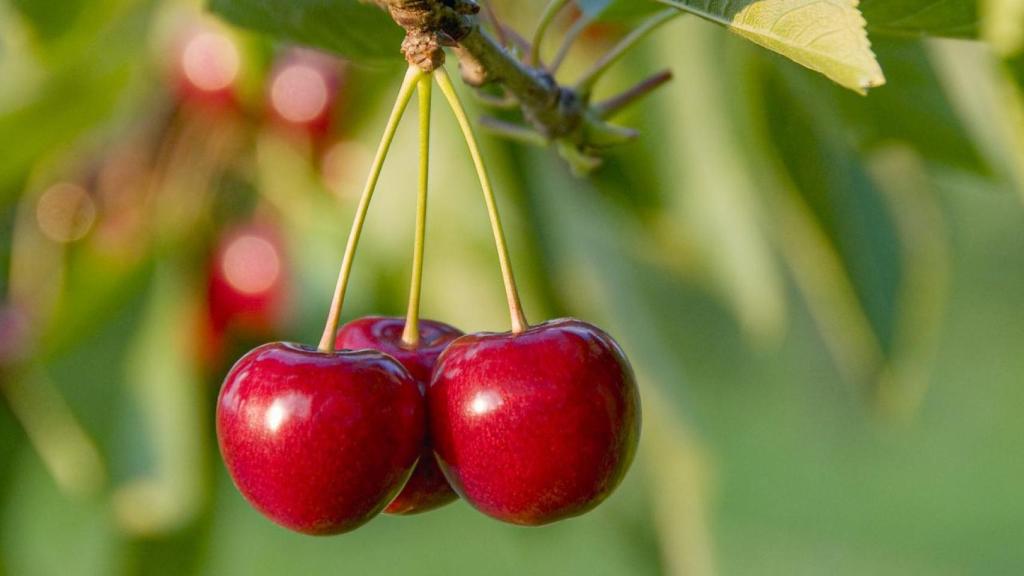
(303, 90)
(206, 66)
(247, 286)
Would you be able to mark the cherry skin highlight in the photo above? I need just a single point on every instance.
(319, 442)
(534, 427)
(427, 488)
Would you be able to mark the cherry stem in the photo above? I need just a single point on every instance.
(512, 131)
(615, 104)
(499, 30)
(515, 309)
(570, 38)
(412, 77)
(550, 11)
(411, 333)
(591, 76)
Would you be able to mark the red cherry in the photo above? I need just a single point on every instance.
(535, 427)
(427, 488)
(303, 90)
(207, 66)
(246, 284)
(319, 442)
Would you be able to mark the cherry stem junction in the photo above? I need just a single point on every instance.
(412, 78)
(515, 308)
(411, 333)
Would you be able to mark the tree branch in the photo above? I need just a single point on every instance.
(559, 114)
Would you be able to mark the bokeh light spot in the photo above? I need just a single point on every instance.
(251, 264)
(210, 61)
(65, 212)
(300, 93)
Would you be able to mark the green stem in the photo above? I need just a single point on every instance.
(412, 77)
(511, 131)
(570, 38)
(411, 333)
(616, 103)
(515, 309)
(550, 11)
(586, 83)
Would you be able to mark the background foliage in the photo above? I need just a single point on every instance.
(820, 293)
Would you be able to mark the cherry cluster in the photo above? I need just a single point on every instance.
(404, 415)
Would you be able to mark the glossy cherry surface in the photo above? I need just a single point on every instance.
(319, 442)
(535, 427)
(427, 488)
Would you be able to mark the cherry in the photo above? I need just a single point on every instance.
(534, 427)
(427, 488)
(246, 282)
(319, 442)
(207, 66)
(303, 90)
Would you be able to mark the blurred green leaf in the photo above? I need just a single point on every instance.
(616, 10)
(168, 394)
(1003, 25)
(948, 18)
(852, 252)
(714, 203)
(834, 201)
(45, 533)
(827, 36)
(48, 123)
(916, 111)
(50, 19)
(357, 30)
(82, 91)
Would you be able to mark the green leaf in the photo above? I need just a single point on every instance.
(827, 36)
(50, 19)
(916, 111)
(948, 18)
(167, 393)
(47, 125)
(863, 236)
(358, 31)
(833, 193)
(1003, 26)
(703, 148)
(47, 533)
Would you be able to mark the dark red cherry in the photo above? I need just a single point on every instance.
(427, 488)
(319, 442)
(534, 427)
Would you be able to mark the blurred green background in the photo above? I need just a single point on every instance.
(822, 295)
